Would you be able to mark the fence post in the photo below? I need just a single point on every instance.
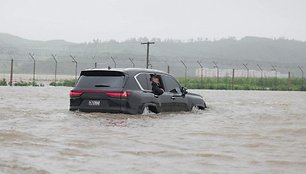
(32, 56)
(115, 63)
(201, 73)
(233, 77)
(95, 62)
(217, 67)
(274, 69)
(11, 76)
(185, 70)
(261, 76)
(131, 60)
(247, 68)
(76, 68)
(289, 81)
(168, 69)
(302, 78)
(55, 70)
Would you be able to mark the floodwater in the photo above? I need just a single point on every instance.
(241, 132)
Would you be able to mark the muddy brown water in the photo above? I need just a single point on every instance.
(241, 132)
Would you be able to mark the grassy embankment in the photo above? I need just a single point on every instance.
(242, 83)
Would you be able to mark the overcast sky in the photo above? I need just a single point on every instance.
(85, 20)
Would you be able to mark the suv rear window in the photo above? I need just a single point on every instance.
(143, 80)
(101, 79)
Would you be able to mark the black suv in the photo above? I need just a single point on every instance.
(130, 91)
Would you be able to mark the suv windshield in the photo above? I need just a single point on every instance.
(101, 79)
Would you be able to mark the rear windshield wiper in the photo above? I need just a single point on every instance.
(99, 85)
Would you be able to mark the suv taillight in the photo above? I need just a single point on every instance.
(124, 94)
(75, 93)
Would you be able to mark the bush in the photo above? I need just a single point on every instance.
(3, 82)
(22, 83)
(69, 83)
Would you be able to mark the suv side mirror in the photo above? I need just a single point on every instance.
(184, 90)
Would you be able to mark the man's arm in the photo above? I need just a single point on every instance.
(157, 90)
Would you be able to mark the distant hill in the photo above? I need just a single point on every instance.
(228, 52)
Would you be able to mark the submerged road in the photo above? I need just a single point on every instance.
(241, 132)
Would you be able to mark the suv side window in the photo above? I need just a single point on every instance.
(143, 81)
(171, 84)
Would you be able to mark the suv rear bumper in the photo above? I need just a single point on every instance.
(123, 110)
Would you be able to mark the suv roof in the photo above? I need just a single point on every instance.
(128, 70)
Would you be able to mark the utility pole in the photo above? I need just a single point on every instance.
(246, 67)
(76, 67)
(302, 78)
(201, 72)
(185, 70)
(261, 76)
(148, 48)
(34, 62)
(11, 76)
(55, 69)
(114, 62)
(132, 61)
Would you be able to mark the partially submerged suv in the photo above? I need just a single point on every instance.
(130, 91)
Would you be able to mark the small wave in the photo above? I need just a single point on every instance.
(293, 131)
(144, 153)
(11, 135)
(13, 168)
(215, 156)
(286, 162)
(68, 152)
(258, 145)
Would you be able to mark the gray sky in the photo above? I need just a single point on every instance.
(84, 20)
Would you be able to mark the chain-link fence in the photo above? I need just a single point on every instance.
(31, 68)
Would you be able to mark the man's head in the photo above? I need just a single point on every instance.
(155, 78)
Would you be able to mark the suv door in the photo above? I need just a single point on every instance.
(173, 94)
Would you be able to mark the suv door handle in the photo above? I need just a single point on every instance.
(173, 98)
